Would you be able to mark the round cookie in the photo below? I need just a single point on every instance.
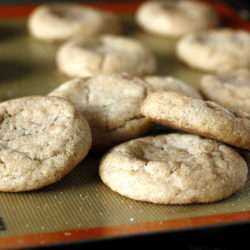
(105, 54)
(172, 84)
(111, 105)
(175, 18)
(61, 21)
(215, 50)
(230, 89)
(173, 169)
(41, 140)
(204, 118)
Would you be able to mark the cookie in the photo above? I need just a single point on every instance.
(230, 89)
(175, 18)
(172, 84)
(204, 118)
(111, 104)
(105, 54)
(61, 21)
(41, 140)
(215, 50)
(173, 169)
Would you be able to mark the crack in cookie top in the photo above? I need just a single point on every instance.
(173, 169)
(172, 84)
(175, 18)
(111, 103)
(61, 21)
(41, 140)
(232, 89)
(200, 117)
(105, 54)
(215, 50)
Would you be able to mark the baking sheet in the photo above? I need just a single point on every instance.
(80, 206)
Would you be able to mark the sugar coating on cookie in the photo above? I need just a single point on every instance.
(205, 118)
(61, 21)
(173, 169)
(215, 50)
(41, 140)
(172, 84)
(230, 89)
(105, 54)
(111, 104)
(175, 18)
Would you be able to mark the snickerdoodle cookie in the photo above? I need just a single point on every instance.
(105, 54)
(215, 50)
(111, 104)
(61, 21)
(174, 169)
(41, 140)
(230, 89)
(172, 84)
(204, 118)
(175, 18)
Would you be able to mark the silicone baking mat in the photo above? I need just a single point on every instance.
(80, 206)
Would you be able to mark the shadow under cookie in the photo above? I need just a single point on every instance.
(7, 33)
(13, 70)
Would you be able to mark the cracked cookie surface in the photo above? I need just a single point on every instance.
(215, 50)
(172, 84)
(41, 140)
(205, 118)
(105, 54)
(230, 89)
(111, 104)
(175, 18)
(173, 169)
(61, 21)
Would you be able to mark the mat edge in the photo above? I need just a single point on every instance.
(43, 239)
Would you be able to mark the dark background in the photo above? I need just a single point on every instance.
(234, 3)
(241, 6)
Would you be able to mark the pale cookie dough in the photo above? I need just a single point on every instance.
(41, 140)
(175, 18)
(173, 169)
(172, 84)
(61, 21)
(111, 105)
(204, 118)
(230, 89)
(216, 50)
(105, 54)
